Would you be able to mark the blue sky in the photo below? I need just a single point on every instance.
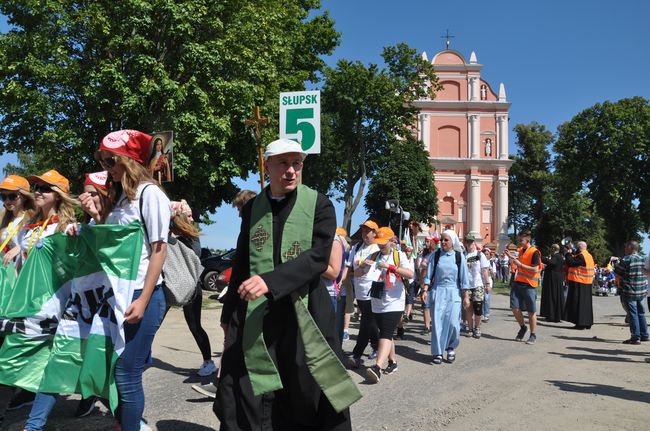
(555, 58)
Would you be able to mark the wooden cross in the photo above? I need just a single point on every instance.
(259, 237)
(447, 36)
(293, 252)
(260, 123)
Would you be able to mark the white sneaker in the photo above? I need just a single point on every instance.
(209, 390)
(144, 426)
(207, 368)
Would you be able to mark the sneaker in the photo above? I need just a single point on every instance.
(521, 333)
(532, 339)
(207, 368)
(400, 332)
(391, 368)
(85, 407)
(476, 333)
(464, 330)
(355, 363)
(634, 341)
(144, 426)
(485, 319)
(209, 390)
(645, 338)
(373, 373)
(346, 335)
(22, 398)
(373, 354)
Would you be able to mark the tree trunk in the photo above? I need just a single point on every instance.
(351, 200)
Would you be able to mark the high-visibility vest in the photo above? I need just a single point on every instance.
(583, 274)
(524, 275)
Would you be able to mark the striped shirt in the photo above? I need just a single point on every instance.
(632, 272)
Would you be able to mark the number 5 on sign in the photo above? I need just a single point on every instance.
(300, 119)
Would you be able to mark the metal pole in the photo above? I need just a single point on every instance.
(401, 216)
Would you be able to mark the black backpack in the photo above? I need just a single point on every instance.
(436, 258)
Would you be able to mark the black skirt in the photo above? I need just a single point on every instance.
(579, 310)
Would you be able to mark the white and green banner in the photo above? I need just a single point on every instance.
(63, 319)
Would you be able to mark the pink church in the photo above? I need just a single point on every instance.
(465, 130)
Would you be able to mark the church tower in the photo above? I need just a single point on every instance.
(465, 131)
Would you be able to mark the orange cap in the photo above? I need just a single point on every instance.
(384, 234)
(14, 182)
(370, 224)
(341, 232)
(53, 178)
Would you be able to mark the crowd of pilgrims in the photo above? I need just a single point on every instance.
(379, 281)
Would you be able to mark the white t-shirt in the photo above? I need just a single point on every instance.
(25, 237)
(476, 262)
(394, 298)
(358, 255)
(156, 215)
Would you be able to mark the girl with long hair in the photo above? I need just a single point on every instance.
(135, 196)
(183, 227)
(55, 211)
(19, 207)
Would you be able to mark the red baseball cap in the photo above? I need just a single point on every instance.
(97, 179)
(133, 144)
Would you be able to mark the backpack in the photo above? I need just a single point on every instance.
(436, 258)
(183, 263)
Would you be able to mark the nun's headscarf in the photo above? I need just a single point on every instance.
(455, 242)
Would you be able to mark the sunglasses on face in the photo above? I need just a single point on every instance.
(8, 197)
(38, 188)
(108, 162)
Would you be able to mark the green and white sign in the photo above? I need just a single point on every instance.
(300, 119)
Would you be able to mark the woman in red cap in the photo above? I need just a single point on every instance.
(134, 196)
(19, 207)
(95, 187)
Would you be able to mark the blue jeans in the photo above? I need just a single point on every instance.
(130, 365)
(43, 405)
(340, 315)
(636, 314)
(486, 304)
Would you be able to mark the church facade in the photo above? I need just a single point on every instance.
(465, 131)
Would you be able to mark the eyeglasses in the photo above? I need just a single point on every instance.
(39, 188)
(108, 162)
(8, 197)
(285, 165)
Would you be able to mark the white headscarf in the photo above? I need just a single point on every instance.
(455, 242)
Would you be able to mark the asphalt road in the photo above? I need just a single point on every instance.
(569, 379)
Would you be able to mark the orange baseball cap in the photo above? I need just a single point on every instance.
(14, 182)
(370, 224)
(341, 232)
(53, 178)
(384, 234)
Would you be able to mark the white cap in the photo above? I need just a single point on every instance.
(283, 146)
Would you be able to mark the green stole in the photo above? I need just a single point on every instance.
(321, 360)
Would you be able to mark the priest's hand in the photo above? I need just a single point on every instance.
(252, 288)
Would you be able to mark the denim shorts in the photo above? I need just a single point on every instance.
(523, 294)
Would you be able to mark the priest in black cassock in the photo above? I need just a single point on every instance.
(281, 368)
(552, 306)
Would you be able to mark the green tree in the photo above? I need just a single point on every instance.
(530, 178)
(603, 151)
(71, 71)
(405, 174)
(367, 109)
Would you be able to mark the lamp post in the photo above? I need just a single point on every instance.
(393, 206)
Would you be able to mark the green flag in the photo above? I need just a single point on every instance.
(64, 316)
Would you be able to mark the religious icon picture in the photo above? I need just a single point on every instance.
(161, 160)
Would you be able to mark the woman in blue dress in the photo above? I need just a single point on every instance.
(446, 277)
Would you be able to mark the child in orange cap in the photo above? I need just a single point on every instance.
(19, 207)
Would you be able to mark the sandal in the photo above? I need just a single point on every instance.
(451, 356)
(437, 359)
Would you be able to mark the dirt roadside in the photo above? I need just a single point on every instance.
(569, 380)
